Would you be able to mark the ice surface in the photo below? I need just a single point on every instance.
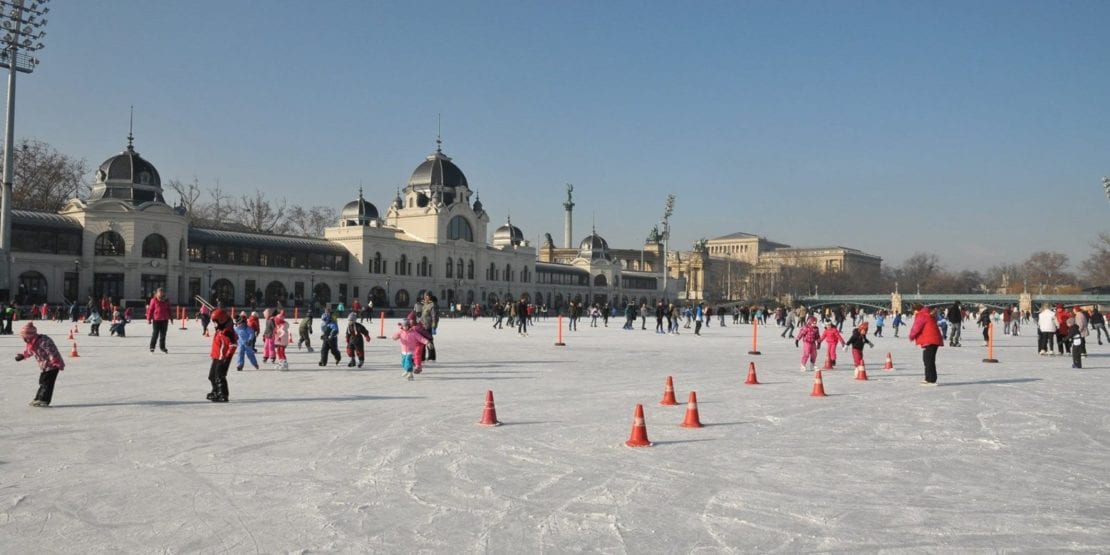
(131, 458)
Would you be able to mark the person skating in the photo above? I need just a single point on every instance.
(1075, 337)
(357, 337)
(808, 337)
(245, 336)
(282, 338)
(205, 316)
(896, 323)
(926, 334)
(94, 321)
(50, 362)
(158, 316)
(329, 337)
(305, 332)
(410, 341)
(832, 339)
(223, 350)
(1098, 324)
(856, 342)
(268, 329)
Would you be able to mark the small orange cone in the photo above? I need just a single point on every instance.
(828, 364)
(752, 380)
(861, 373)
(489, 415)
(668, 394)
(889, 363)
(71, 335)
(638, 438)
(818, 386)
(73, 352)
(692, 420)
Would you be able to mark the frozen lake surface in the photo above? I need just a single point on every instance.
(131, 458)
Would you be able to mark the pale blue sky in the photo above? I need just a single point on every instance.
(975, 130)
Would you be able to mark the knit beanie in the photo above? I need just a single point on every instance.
(28, 332)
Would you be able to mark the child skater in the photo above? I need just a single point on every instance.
(356, 335)
(268, 354)
(421, 354)
(329, 337)
(1078, 344)
(252, 321)
(49, 359)
(94, 321)
(282, 337)
(223, 350)
(856, 342)
(832, 339)
(305, 332)
(245, 336)
(808, 337)
(410, 342)
(896, 323)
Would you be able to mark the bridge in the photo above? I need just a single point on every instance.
(896, 301)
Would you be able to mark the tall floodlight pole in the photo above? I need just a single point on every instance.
(1106, 186)
(21, 22)
(668, 209)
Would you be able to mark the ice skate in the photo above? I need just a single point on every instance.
(351, 364)
(410, 378)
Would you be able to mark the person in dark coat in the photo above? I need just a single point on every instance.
(955, 318)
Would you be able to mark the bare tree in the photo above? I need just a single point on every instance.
(188, 196)
(219, 211)
(310, 222)
(44, 179)
(1005, 276)
(1096, 268)
(257, 214)
(1047, 270)
(919, 272)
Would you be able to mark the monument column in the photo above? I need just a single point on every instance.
(568, 220)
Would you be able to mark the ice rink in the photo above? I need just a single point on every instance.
(131, 458)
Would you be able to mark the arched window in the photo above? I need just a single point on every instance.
(275, 293)
(424, 270)
(32, 288)
(154, 246)
(459, 229)
(491, 274)
(600, 281)
(508, 272)
(402, 265)
(223, 292)
(401, 298)
(377, 262)
(460, 268)
(109, 243)
(450, 273)
(378, 296)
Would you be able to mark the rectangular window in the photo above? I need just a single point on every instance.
(150, 283)
(250, 286)
(343, 292)
(194, 290)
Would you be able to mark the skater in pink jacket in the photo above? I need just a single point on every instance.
(808, 337)
(832, 339)
(410, 340)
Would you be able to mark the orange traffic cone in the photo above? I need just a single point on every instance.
(668, 393)
(861, 373)
(889, 363)
(638, 438)
(818, 386)
(73, 352)
(828, 364)
(692, 420)
(489, 415)
(752, 380)
(71, 334)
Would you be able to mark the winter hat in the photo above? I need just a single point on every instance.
(220, 315)
(352, 317)
(28, 332)
(812, 320)
(279, 319)
(241, 318)
(266, 313)
(863, 327)
(406, 324)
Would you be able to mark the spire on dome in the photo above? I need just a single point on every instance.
(130, 130)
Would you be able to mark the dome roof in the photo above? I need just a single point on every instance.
(508, 234)
(358, 211)
(127, 176)
(437, 170)
(594, 246)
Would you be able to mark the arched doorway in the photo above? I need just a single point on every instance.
(378, 297)
(276, 293)
(321, 294)
(401, 298)
(223, 293)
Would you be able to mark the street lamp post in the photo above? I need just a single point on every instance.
(76, 280)
(22, 22)
(1106, 186)
(312, 291)
(668, 210)
(211, 292)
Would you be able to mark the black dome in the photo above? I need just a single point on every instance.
(358, 211)
(127, 176)
(438, 170)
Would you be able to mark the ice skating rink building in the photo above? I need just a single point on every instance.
(125, 241)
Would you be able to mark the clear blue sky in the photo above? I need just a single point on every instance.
(974, 130)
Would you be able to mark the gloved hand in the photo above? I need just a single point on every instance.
(795, 343)
(19, 357)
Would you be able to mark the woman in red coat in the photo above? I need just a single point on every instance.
(927, 335)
